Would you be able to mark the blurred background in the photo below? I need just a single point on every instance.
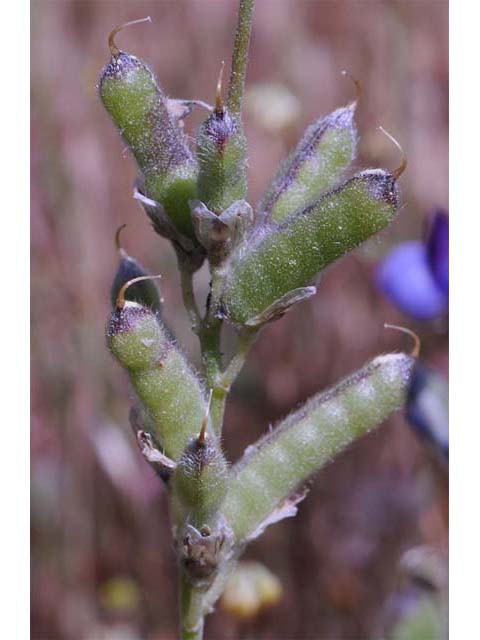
(102, 561)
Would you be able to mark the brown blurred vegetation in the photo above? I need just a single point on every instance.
(98, 514)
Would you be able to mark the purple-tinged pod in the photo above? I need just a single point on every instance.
(222, 161)
(144, 291)
(159, 372)
(406, 279)
(280, 260)
(318, 163)
(199, 482)
(140, 111)
(263, 483)
(437, 249)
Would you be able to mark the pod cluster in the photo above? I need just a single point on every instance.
(312, 213)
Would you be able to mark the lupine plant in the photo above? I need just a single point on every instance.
(262, 261)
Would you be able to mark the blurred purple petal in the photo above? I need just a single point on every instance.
(427, 407)
(406, 279)
(437, 249)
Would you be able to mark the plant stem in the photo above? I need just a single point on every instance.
(245, 341)
(191, 611)
(240, 57)
(186, 281)
(225, 379)
(210, 342)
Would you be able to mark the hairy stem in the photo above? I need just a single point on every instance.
(245, 341)
(191, 611)
(188, 295)
(210, 342)
(240, 57)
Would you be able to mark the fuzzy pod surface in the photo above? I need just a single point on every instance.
(305, 441)
(282, 258)
(316, 165)
(139, 109)
(221, 154)
(160, 375)
(199, 482)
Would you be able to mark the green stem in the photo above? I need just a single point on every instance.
(191, 611)
(188, 294)
(219, 380)
(245, 341)
(210, 341)
(240, 57)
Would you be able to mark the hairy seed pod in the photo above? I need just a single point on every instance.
(305, 441)
(144, 291)
(139, 109)
(160, 374)
(199, 482)
(316, 165)
(221, 154)
(281, 259)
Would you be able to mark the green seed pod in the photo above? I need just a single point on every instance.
(139, 109)
(159, 372)
(221, 154)
(199, 481)
(315, 166)
(144, 291)
(279, 260)
(263, 481)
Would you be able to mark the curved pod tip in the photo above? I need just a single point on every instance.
(114, 50)
(403, 165)
(121, 294)
(219, 105)
(358, 86)
(416, 340)
(120, 250)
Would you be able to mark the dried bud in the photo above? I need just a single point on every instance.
(221, 234)
(201, 552)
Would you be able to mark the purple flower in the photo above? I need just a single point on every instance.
(437, 249)
(414, 275)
